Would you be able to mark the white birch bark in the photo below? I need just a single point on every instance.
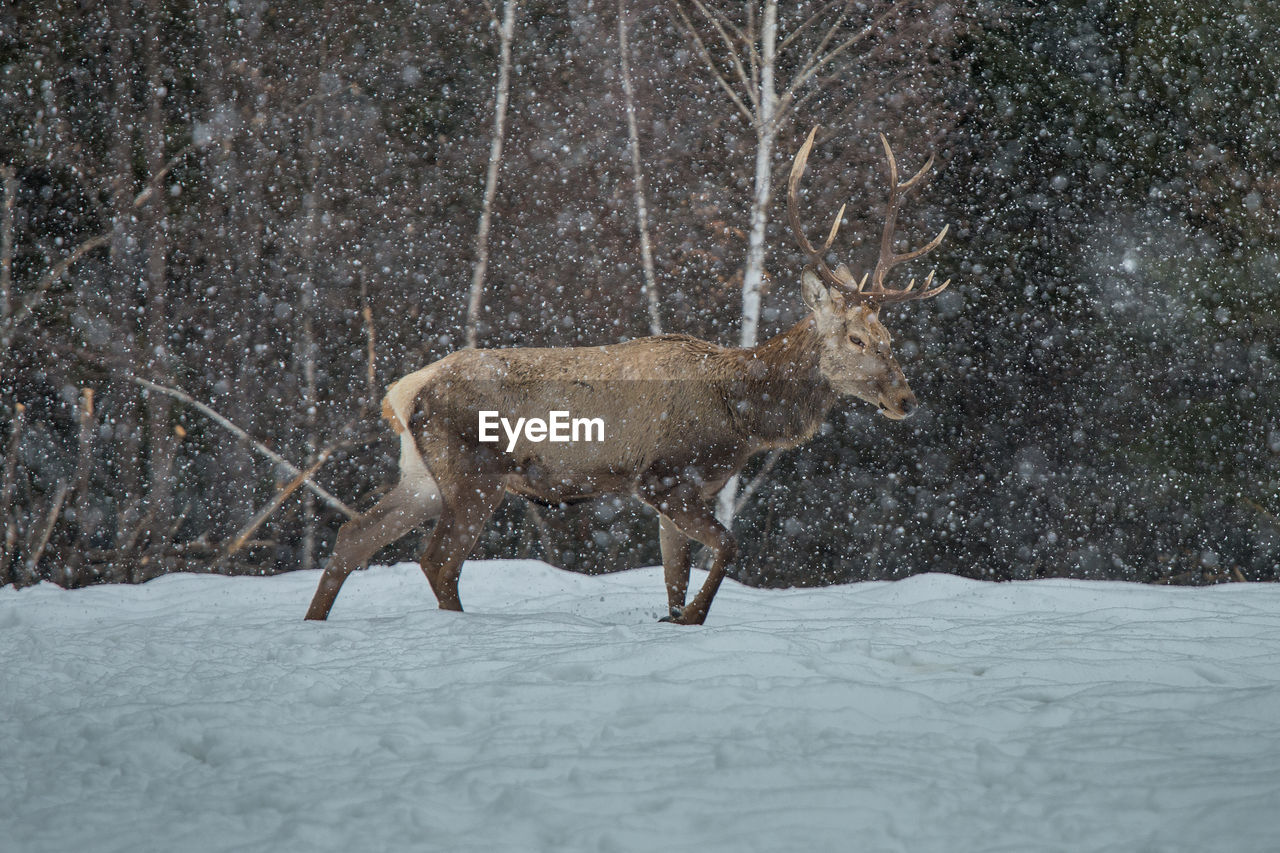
(476, 301)
(642, 211)
(766, 132)
(753, 273)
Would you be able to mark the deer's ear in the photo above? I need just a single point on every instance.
(817, 295)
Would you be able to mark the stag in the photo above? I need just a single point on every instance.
(681, 416)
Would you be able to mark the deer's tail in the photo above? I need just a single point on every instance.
(398, 409)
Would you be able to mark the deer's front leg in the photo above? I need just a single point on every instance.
(691, 516)
(676, 562)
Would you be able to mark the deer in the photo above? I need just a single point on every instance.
(682, 416)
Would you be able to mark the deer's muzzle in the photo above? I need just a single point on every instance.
(897, 404)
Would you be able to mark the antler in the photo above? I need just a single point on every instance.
(840, 277)
(793, 214)
(888, 259)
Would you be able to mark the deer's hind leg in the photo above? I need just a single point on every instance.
(403, 509)
(677, 559)
(463, 515)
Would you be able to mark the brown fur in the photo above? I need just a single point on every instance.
(682, 416)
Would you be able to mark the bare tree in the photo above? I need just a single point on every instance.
(642, 210)
(475, 302)
(744, 59)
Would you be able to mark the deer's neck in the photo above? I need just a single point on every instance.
(783, 397)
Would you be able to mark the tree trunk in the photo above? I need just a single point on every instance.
(8, 509)
(127, 276)
(642, 211)
(306, 306)
(766, 132)
(475, 303)
(72, 575)
(160, 445)
(753, 272)
(10, 187)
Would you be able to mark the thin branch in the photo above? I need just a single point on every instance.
(890, 85)
(796, 106)
(36, 551)
(218, 418)
(153, 509)
(177, 522)
(784, 113)
(371, 352)
(822, 10)
(756, 481)
(281, 495)
(49, 279)
(718, 23)
(715, 72)
(866, 31)
(153, 183)
(811, 68)
(1262, 511)
(549, 553)
(826, 37)
(753, 55)
(80, 498)
(745, 38)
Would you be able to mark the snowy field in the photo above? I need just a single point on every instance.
(200, 713)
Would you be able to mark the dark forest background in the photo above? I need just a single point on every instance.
(272, 208)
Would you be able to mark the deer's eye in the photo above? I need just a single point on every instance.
(857, 342)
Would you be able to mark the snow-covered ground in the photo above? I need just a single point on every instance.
(200, 713)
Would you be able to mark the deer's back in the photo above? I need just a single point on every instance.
(626, 408)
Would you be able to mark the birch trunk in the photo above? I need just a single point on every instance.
(476, 301)
(766, 132)
(753, 273)
(642, 210)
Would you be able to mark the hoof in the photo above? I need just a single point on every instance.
(674, 616)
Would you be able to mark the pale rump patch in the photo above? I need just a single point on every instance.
(397, 405)
(397, 408)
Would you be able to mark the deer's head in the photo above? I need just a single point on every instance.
(856, 356)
